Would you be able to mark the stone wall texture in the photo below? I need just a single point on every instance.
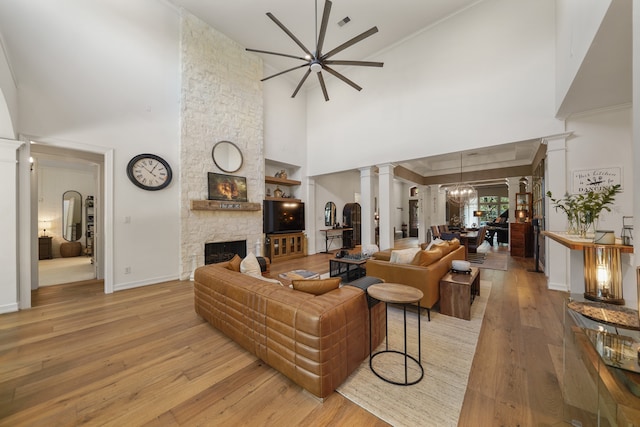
(221, 99)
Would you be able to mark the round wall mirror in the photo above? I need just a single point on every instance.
(71, 216)
(329, 214)
(227, 156)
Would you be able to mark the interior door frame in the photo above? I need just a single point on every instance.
(28, 227)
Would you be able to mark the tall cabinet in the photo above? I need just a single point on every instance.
(521, 230)
(90, 226)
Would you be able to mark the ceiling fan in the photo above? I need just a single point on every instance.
(318, 61)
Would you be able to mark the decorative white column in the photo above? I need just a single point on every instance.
(385, 187)
(367, 231)
(9, 226)
(423, 212)
(558, 257)
(310, 215)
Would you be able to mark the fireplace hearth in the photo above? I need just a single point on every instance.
(224, 251)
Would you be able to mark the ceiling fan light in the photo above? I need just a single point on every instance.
(315, 67)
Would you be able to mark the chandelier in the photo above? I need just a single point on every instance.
(461, 193)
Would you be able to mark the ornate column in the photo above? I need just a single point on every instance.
(558, 258)
(385, 188)
(367, 231)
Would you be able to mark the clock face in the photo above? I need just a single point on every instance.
(149, 172)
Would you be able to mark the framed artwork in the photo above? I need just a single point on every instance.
(595, 179)
(227, 187)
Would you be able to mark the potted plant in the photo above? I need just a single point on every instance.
(583, 210)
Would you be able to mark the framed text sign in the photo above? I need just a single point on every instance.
(595, 179)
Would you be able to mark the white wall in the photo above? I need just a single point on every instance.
(482, 78)
(108, 83)
(8, 97)
(600, 140)
(578, 22)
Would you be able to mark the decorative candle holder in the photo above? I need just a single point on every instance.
(603, 274)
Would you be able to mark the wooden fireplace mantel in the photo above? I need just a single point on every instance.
(221, 205)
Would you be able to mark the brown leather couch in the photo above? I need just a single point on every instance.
(316, 341)
(427, 279)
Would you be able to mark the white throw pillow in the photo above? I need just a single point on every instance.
(250, 265)
(403, 256)
(370, 249)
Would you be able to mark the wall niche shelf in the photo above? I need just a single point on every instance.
(283, 199)
(281, 181)
(221, 205)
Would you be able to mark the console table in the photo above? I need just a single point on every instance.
(333, 233)
(611, 253)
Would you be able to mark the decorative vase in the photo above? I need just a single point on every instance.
(277, 192)
(283, 174)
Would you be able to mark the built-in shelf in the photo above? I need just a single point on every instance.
(221, 205)
(284, 199)
(280, 181)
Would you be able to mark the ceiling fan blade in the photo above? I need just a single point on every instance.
(285, 71)
(351, 42)
(359, 63)
(343, 78)
(322, 85)
(302, 80)
(289, 33)
(276, 53)
(323, 26)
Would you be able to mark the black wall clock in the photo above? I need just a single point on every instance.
(149, 172)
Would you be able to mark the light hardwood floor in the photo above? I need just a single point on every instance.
(143, 357)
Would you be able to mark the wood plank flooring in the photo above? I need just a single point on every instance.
(143, 357)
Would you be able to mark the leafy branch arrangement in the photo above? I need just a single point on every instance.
(583, 210)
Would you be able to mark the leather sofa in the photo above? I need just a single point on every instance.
(316, 341)
(425, 278)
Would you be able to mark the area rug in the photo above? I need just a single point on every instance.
(495, 261)
(476, 258)
(448, 347)
(65, 270)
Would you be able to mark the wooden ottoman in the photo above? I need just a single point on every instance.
(457, 292)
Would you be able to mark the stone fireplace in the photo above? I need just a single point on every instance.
(224, 251)
(218, 102)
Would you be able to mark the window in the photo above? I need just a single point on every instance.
(492, 207)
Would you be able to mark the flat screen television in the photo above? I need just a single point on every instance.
(282, 217)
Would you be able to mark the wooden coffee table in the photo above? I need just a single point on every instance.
(457, 292)
(395, 293)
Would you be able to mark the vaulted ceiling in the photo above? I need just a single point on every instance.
(603, 80)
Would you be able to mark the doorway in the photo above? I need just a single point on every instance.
(66, 209)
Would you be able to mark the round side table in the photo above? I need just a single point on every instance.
(404, 295)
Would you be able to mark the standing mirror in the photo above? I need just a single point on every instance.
(329, 214)
(227, 156)
(71, 216)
